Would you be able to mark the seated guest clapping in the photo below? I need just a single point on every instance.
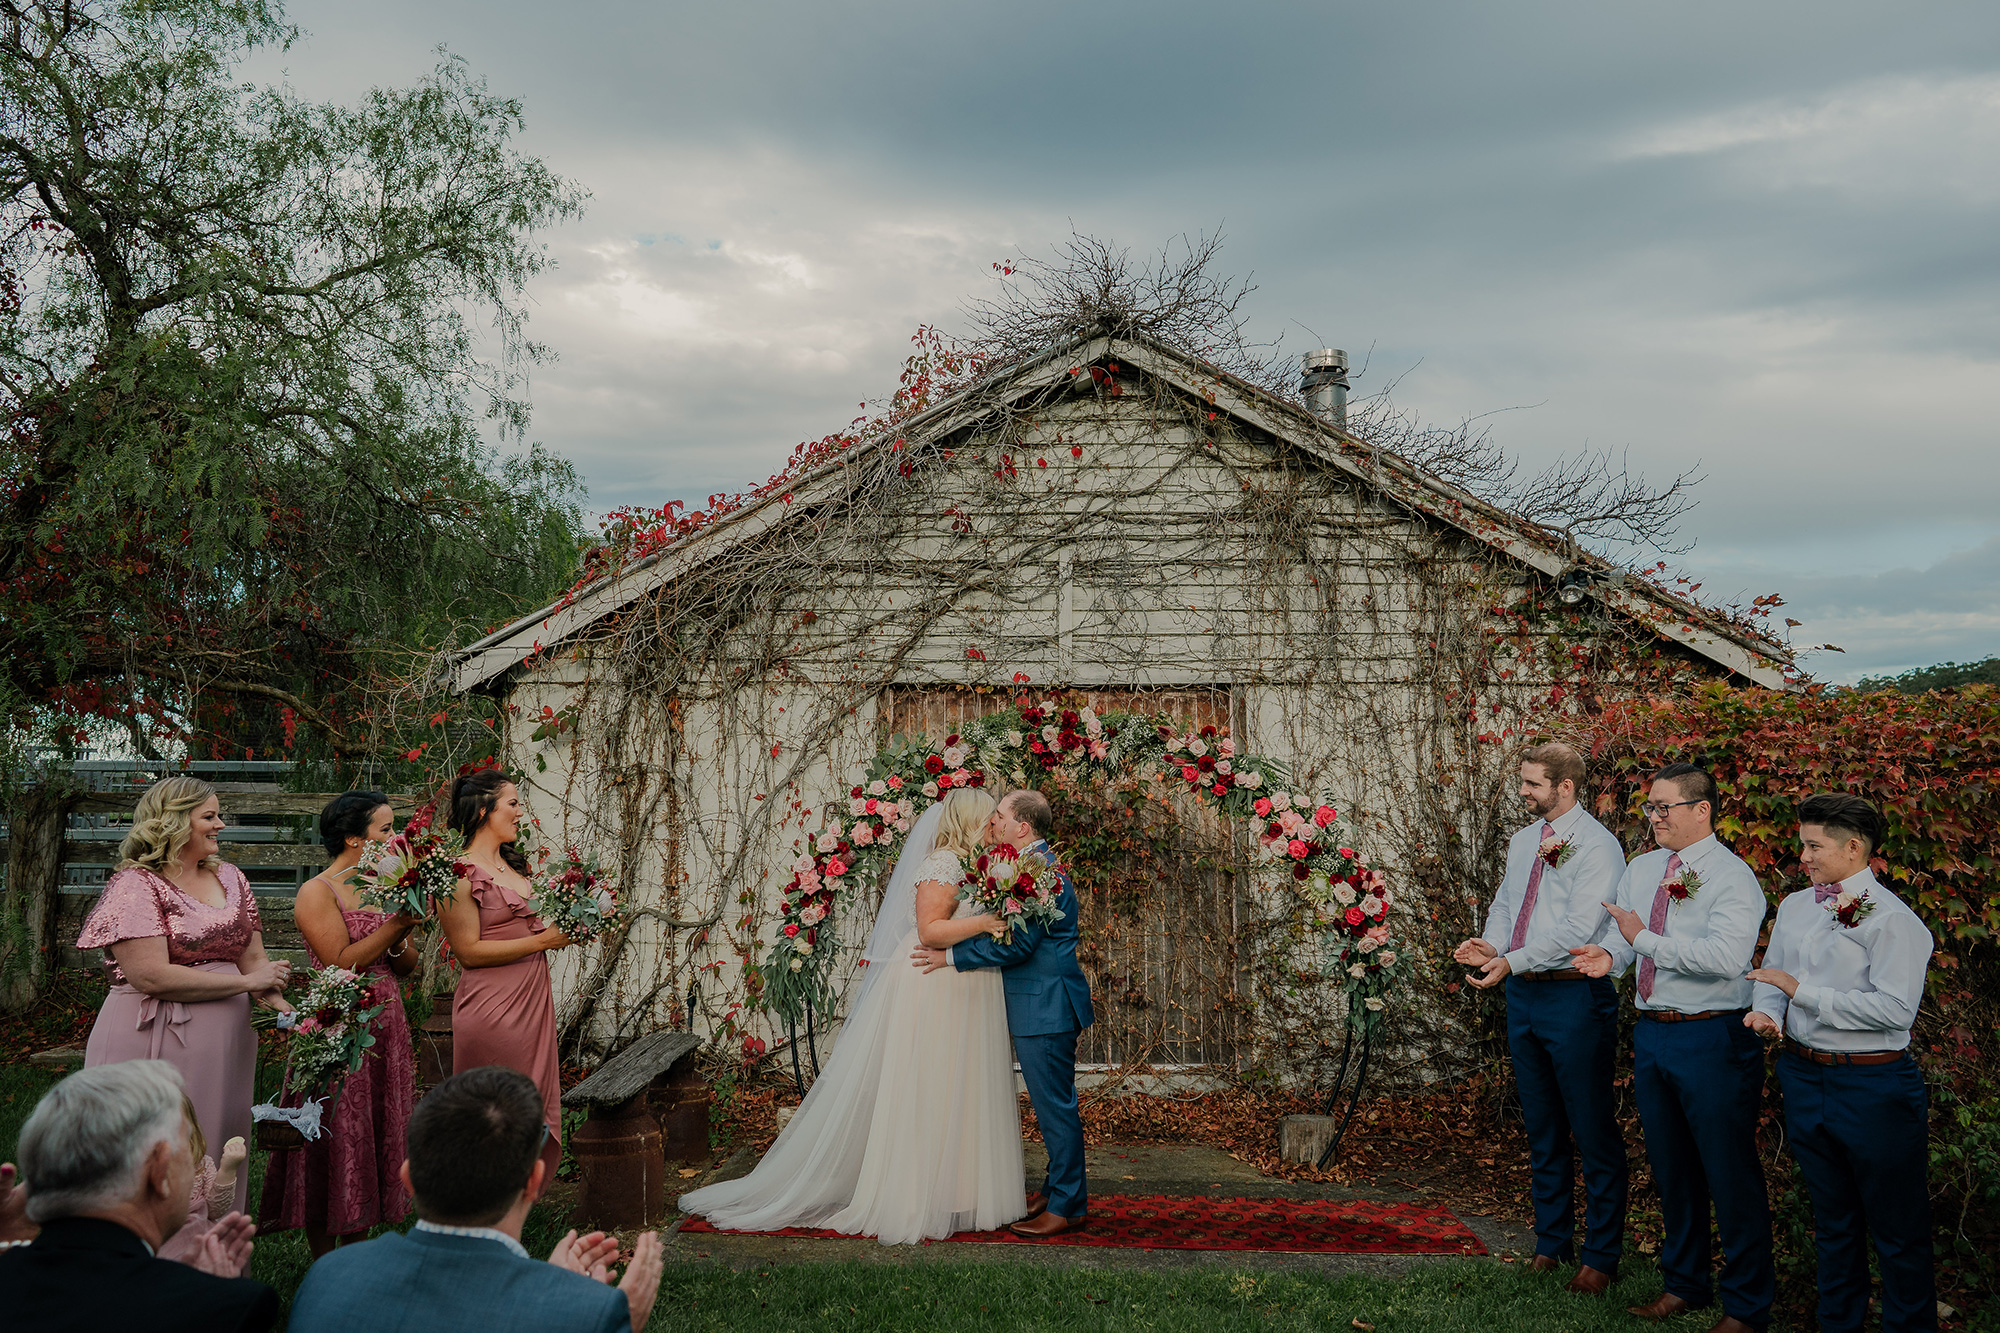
(107, 1174)
(1840, 985)
(475, 1165)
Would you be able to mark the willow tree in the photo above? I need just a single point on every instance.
(261, 358)
(261, 370)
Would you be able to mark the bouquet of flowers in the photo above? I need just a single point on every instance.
(575, 897)
(415, 871)
(330, 1037)
(1015, 886)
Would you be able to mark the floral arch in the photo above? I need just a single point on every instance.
(1303, 846)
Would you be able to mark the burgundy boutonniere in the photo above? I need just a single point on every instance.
(1850, 909)
(1555, 851)
(1684, 885)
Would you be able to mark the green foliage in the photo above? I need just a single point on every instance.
(250, 452)
(1943, 676)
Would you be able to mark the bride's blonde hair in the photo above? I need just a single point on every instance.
(963, 824)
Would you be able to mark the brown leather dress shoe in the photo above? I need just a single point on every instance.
(1729, 1323)
(1589, 1281)
(1543, 1263)
(1046, 1224)
(1037, 1205)
(1666, 1307)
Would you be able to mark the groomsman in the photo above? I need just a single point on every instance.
(1689, 912)
(1562, 1027)
(1841, 983)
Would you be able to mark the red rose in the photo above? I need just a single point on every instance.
(951, 739)
(934, 764)
(1274, 829)
(1262, 806)
(1032, 716)
(1206, 763)
(1069, 717)
(1068, 740)
(1299, 850)
(1189, 772)
(856, 793)
(868, 806)
(1354, 916)
(1301, 871)
(792, 930)
(1208, 733)
(979, 777)
(1325, 815)
(836, 867)
(812, 936)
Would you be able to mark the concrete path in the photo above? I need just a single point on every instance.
(1113, 1169)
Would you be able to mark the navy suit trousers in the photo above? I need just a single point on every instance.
(1563, 1035)
(1861, 1136)
(1698, 1086)
(1048, 1067)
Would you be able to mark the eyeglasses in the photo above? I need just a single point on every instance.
(1655, 809)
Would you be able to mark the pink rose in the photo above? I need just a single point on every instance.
(1325, 815)
(868, 806)
(1263, 807)
(835, 867)
(1190, 772)
(895, 784)
(1349, 853)
(1298, 850)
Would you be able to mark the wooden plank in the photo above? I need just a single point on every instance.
(239, 802)
(281, 855)
(633, 1069)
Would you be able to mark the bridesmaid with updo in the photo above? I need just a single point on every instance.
(505, 1013)
(185, 949)
(350, 1178)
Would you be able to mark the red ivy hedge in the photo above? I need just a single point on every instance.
(1930, 762)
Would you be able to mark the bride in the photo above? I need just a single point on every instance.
(912, 1131)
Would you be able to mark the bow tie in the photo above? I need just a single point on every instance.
(1825, 892)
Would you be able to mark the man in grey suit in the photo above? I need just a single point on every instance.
(474, 1168)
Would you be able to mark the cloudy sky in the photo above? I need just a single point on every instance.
(1764, 238)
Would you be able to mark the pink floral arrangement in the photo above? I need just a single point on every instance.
(1015, 886)
(575, 897)
(330, 1030)
(415, 871)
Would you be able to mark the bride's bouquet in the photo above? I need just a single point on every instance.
(1014, 886)
(576, 898)
(416, 871)
(331, 1033)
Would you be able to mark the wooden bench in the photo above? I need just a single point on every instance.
(622, 1150)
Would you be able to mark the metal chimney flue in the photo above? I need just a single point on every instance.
(1325, 384)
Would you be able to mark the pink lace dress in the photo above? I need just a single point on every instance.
(209, 1041)
(350, 1178)
(203, 1213)
(507, 1015)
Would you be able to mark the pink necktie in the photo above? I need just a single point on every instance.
(1521, 917)
(1657, 923)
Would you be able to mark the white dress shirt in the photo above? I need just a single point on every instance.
(1859, 987)
(1569, 902)
(1701, 960)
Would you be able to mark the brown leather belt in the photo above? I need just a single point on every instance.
(1561, 974)
(1675, 1016)
(1819, 1057)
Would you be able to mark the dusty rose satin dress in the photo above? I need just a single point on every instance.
(507, 1015)
(351, 1177)
(209, 1041)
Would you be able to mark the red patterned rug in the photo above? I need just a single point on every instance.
(1156, 1222)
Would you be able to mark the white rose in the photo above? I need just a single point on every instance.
(878, 788)
(1343, 895)
(813, 915)
(1373, 906)
(801, 946)
(1357, 971)
(1375, 1005)
(857, 806)
(930, 790)
(1196, 748)
(1051, 734)
(804, 864)
(1388, 957)
(827, 841)
(1281, 801)
(954, 756)
(1014, 739)
(798, 964)
(1224, 767)
(1367, 945)
(1252, 779)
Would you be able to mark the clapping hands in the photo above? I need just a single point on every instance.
(225, 1250)
(593, 1255)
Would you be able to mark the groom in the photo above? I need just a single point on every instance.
(1048, 1007)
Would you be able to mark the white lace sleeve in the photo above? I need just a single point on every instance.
(944, 867)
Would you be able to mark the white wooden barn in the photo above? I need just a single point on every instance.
(1111, 517)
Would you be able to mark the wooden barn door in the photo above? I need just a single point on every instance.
(1158, 893)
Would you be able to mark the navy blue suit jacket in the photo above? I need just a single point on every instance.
(430, 1283)
(1046, 991)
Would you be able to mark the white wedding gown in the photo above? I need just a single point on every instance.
(912, 1130)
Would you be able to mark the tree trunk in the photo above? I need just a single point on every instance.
(34, 877)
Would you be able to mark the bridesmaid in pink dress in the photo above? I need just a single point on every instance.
(349, 1179)
(505, 1013)
(186, 954)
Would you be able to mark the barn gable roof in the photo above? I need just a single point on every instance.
(1741, 651)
